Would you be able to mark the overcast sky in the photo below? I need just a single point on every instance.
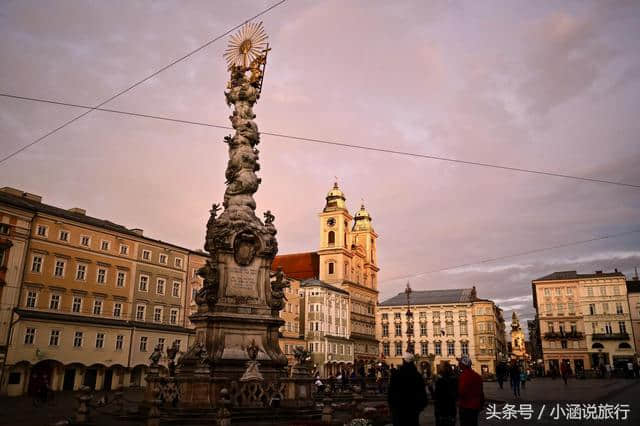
(551, 86)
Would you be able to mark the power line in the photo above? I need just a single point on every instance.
(509, 256)
(326, 142)
(134, 85)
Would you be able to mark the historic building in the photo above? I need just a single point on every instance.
(518, 349)
(584, 319)
(633, 295)
(94, 300)
(443, 326)
(292, 332)
(346, 260)
(325, 321)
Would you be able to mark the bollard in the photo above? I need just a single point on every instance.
(82, 413)
(327, 411)
(224, 414)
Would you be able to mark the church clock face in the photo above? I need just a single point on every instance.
(331, 221)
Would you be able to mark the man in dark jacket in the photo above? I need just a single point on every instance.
(470, 393)
(445, 395)
(407, 394)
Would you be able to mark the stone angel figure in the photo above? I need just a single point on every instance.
(156, 355)
(278, 284)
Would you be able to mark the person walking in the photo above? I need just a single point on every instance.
(514, 374)
(444, 396)
(470, 393)
(565, 371)
(407, 394)
(500, 373)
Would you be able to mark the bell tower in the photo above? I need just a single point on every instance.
(335, 238)
(364, 240)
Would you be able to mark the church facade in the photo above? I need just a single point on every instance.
(346, 260)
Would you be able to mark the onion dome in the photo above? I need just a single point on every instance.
(362, 220)
(335, 199)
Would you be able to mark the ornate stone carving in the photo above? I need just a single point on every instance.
(278, 283)
(245, 247)
(172, 351)
(155, 356)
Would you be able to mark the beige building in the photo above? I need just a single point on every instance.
(518, 349)
(78, 318)
(584, 319)
(325, 321)
(292, 332)
(633, 295)
(442, 328)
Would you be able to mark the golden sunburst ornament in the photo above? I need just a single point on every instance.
(246, 45)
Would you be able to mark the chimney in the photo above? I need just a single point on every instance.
(136, 231)
(78, 210)
(20, 193)
(598, 272)
(615, 270)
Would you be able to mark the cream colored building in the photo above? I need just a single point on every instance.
(443, 328)
(584, 319)
(292, 332)
(78, 318)
(633, 295)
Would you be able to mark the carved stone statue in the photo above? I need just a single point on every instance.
(156, 355)
(252, 350)
(172, 351)
(268, 217)
(301, 354)
(278, 284)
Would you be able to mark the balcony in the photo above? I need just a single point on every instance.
(610, 336)
(570, 335)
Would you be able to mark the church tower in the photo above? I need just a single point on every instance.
(335, 239)
(364, 244)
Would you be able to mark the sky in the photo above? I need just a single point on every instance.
(551, 86)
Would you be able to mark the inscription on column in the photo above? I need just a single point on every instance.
(242, 281)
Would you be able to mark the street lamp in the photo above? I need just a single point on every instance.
(410, 344)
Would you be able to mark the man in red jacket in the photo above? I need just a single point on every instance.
(470, 394)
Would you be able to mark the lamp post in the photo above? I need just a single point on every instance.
(410, 344)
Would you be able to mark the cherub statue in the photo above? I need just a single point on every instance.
(156, 355)
(277, 286)
(252, 350)
(268, 217)
(256, 70)
(301, 354)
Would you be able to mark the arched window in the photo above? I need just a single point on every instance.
(597, 346)
(331, 268)
(332, 238)
(624, 345)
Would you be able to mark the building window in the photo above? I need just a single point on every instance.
(117, 310)
(607, 328)
(124, 249)
(560, 308)
(547, 292)
(569, 291)
(178, 262)
(590, 291)
(54, 338)
(437, 348)
(464, 346)
(97, 307)
(140, 312)
(616, 290)
(605, 307)
(146, 255)
(121, 278)
(160, 286)
(603, 291)
(622, 326)
(332, 238)
(81, 272)
(571, 307)
(574, 327)
(102, 276)
(463, 328)
(449, 329)
(331, 267)
(77, 339)
(398, 347)
(31, 299)
(161, 343)
(424, 348)
(163, 258)
(385, 330)
(54, 303)
(143, 343)
(563, 344)
(173, 316)
(64, 236)
(29, 336)
(157, 314)
(77, 304)
(105, 245)
(144, 283)
(176, 289)
(36, 265)
(451, 349)
(99, 340)
(592, 308)
(119, 342)
(619, 308)
(437, 330)
(549, 309)
(398, 329)
(423, 329)
(42, 230)
(85, 240)
(59, 268)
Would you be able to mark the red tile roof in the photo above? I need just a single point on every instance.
(300, 266)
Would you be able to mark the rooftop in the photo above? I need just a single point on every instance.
(299, 266)
(573, 275)
(433, 297)
(318, 283)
